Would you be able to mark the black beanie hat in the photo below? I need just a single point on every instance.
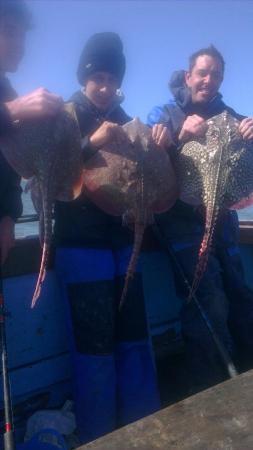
(102, 52)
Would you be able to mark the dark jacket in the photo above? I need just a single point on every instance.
(80, 222)
(174, 113)
(10, 190)
(183, 222)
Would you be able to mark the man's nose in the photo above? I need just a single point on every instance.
(208, 78)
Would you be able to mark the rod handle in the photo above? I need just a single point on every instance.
(9, 443)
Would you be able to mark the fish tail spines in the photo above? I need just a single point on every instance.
(42, 274)
(138, 236)
(47, 226)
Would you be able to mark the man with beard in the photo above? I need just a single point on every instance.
(223, 294)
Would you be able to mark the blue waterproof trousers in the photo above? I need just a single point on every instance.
(114, 377)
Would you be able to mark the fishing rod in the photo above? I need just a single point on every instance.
(9, 443)
(225, 357)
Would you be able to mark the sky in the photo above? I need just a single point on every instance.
(158, 38)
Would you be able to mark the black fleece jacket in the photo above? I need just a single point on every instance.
(10, 190)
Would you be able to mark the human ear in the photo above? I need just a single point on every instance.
(187, 76)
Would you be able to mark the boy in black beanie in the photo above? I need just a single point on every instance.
(102, 52)
(114, 375)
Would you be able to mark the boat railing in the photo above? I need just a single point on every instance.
(28, 218)
(246, 227)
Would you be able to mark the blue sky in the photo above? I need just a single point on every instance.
(158, 37)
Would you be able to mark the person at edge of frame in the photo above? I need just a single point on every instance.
(114, 378)
(15, 21)
(223, 293)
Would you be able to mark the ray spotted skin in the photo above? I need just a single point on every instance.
(48, 151)
(216, 172)
(133, 181)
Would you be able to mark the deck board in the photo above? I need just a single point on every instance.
(218, 418)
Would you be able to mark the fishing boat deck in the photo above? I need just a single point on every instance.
(39, 365)
(218, 418)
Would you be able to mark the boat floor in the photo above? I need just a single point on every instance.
(219, 418)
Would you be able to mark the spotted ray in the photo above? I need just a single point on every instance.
(48, 151)
(134, 181)
(215, 171)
